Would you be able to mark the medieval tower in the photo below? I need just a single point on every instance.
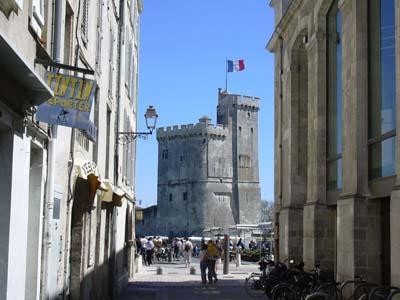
(208, 174)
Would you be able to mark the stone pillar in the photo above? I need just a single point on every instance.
(318, 224)
(395, 196)
(293, 159)
(278, 143)
(352, 205)
(291, 233)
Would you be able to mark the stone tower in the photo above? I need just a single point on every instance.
(240, 114)
(208, 175)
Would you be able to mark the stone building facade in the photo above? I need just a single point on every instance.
(61, 235)
(147, 224)
(208, 175)
(337, 170)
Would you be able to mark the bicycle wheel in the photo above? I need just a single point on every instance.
(254, 286)
(283, 293)
(318, 296)
(330, 289)
(269, 285)
(361, 291)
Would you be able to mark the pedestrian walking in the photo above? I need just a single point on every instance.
(138, 246)
(218, 244)
(213, 255)
(240, 244)
(187, 252)
(203, 262)
(149, 251)
(143, 241)
(178, 249)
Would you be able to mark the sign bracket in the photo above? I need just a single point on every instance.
(51, 63)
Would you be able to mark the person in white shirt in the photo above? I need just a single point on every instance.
(187, 252)
(149, 251)
(179, 249)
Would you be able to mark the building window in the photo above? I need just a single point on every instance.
(132, 12)
(382, 89)
(68, 34)
(37, 17)
(170, 197)
(244, 161)
(164, 154)
(334, 99)
(82, 140)
(184, 195)
(84, 21)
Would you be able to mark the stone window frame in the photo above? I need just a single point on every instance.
(37, 17)
(184, 196)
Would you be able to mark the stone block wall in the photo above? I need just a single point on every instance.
(351, 230)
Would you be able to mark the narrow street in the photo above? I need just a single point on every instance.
(177, 283)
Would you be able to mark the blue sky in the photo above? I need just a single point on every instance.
(183, 48)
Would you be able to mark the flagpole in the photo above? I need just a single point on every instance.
(226, 75)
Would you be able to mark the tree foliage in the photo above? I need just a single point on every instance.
(267, 211)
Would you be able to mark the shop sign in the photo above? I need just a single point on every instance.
(71, 104)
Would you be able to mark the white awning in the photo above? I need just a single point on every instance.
(87, 169)
(107, 196)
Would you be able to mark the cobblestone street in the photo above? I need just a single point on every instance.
(177, 283)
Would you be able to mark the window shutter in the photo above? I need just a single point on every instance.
(132, 12)
(111, 66)
(84, 21)
(132, 79)
(99, 35)
(128, 53)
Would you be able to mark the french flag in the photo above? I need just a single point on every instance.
(235, 65)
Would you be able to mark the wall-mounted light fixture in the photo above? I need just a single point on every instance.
(125, 137)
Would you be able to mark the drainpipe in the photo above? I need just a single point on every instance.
(52, 145)
(114, 276)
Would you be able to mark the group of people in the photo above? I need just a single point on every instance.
(182, 247)
(208, 252)
(147, 246)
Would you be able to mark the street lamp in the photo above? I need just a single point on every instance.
(125, 137)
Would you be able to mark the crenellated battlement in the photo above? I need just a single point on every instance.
(190, 130)
(240, 101)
